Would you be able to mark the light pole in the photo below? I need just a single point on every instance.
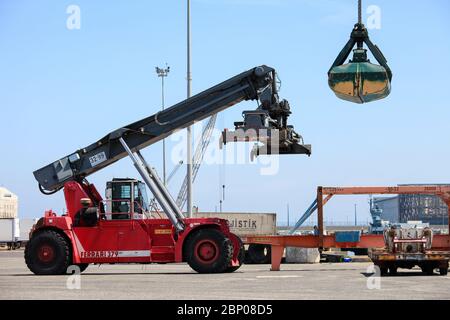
(189, 132)
(288, 224)
(162, 73)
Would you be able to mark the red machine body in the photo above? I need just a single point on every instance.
(142, 240)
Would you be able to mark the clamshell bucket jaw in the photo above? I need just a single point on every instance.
(360, 81)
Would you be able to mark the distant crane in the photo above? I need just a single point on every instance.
(178, 166)
(199, 154)
(200, 151)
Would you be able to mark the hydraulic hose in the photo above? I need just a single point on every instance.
(47, 193)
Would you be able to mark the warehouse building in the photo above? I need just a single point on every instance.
(403, 208)
(8, 204)
(426, 208)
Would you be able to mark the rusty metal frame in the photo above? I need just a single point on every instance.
(279, 243)
(441, 191)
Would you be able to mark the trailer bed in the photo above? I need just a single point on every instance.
(428, 261)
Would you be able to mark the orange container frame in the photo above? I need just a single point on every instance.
(324, 194)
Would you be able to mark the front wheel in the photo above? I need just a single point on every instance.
(47, 253)
(209, 251)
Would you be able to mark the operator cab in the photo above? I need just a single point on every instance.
(126, 198)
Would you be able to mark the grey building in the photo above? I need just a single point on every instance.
(390, 207)
(9, 204)
(426, 208)
(411, 207)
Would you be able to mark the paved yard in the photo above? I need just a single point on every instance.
(178, 281)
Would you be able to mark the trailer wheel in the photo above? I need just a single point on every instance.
(393, 271)
(259, 253)
(47, 253)
(209, 251)
(443, 271)
(428, 270)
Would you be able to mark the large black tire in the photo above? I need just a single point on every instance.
(443, 271)
(393, 270)
(428, 270)
(47, 253)
(259, 254)
(241, 258)
(209, 251)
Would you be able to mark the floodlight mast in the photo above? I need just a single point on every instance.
(163, 73)
(189, 129)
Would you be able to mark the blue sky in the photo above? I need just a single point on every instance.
(62, 89)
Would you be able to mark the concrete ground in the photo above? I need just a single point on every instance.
(178, 281)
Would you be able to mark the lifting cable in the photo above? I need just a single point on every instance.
(359, 11)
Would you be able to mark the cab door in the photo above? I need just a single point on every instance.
(133, 242)
(133, 233)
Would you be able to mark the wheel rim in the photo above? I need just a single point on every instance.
(46, 253)
(206, 251)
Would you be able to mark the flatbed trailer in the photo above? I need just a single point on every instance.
(427, 261)
(441, 243)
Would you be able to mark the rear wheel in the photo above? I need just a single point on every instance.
(443, 271)
(428, 270)
(47, 253)
(209, 251)
(393, 271)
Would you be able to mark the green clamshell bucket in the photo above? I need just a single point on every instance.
(360, 81)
